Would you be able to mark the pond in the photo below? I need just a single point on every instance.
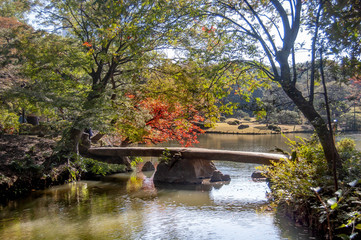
(128, 206)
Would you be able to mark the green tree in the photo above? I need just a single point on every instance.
(274, 26)
(120, 39)
(343, 30)
(11, 31)
(16, 8)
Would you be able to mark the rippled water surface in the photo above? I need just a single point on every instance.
(129, 206)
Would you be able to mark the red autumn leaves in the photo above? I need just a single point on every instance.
(172, 122)
(168, 121)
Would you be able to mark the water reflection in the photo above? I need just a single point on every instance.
(129, 206)
(119, 208)
(253, 143)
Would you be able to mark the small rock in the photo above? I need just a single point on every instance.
(226, 178)
(257, 174)
(216, 176)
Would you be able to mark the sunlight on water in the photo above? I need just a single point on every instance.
(106, 210)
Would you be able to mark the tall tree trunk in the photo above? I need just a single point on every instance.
(309, 111)
(328, 111)
(71, 140)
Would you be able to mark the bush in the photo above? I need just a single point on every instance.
(240, 114)
(9, 122)
(292, 179)
(222, 119)
(274, 128)
(233, 122)
(25, 128)
(92, 167)
(303, 185)
(351, 159)
(352, 121)
(44, 128)
(243, 126)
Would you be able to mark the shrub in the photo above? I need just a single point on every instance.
(233, 122)
(284, 117)
(274, 128)
(25, 128)
(240, 114)
(243, 126)
(352, 121)
(351, 159)
(292, 179)
(87, 165)
(303, 183)
(222, 119)
(9, 122)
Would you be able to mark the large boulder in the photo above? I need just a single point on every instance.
(148, 166)
(184, 171)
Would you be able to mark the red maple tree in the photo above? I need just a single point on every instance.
(171, 121)
(166, 121)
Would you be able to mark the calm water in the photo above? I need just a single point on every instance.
(128, 206)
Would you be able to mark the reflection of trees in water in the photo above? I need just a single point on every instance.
(252, 143)
(139, 185)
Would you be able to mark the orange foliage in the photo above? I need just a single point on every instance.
(172, 122)
(87, 44)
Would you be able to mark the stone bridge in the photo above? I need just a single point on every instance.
(195, 165)
(189, 153)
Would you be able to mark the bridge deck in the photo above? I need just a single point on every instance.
(190, 153)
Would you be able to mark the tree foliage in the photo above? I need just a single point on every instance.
(342, 26)
(16, 8)
(119, 39)
(264, 34)
(162, 121)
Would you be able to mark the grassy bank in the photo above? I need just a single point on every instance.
(251, 126)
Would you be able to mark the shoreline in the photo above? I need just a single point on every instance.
(254, 133)
(252, 127)
(256, 128)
